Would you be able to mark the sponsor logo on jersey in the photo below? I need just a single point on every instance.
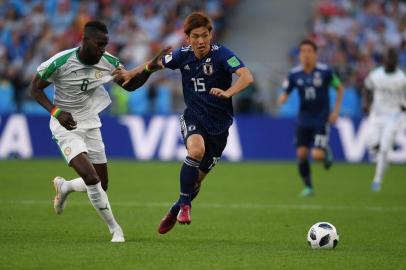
(208, 68)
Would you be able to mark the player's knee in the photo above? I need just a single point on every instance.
(196, 152)
(301, 154)
(91, 178)
(318, 154)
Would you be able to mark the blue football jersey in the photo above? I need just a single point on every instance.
(199, 76)
(313, 91)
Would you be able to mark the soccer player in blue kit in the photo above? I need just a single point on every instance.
(312, 80)
(206, 70)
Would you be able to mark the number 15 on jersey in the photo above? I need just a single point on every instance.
(199, 84)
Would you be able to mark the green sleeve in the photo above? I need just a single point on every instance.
(335, 81)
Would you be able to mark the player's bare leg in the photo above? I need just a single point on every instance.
(318, 154)
(304, 170)
(323, 154)
(97, 195)
(102, 172)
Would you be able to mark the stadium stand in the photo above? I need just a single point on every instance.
(351, 35)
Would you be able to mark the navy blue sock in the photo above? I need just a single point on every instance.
(176, 206)
(304, 171)
(189, 174)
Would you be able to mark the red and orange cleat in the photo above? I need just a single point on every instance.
(184, 216)
(167, 223)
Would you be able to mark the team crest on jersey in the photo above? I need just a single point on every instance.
(67, 151)
(299, 82)
(317, 81)
(98, 74)
(208, 68)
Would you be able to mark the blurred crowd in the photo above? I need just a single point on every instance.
(33, 31)
(352, 35)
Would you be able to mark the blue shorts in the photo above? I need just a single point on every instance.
(214, 144)
(317, 136)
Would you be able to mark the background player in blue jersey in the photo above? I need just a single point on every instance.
(206, 70)
(312, 80)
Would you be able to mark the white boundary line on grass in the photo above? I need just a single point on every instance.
(229, 205)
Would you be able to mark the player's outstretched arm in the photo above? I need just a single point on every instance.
(135, 78)
(37, 92)
(245, 78)
(336, 111)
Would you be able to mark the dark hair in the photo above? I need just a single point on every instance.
(196, 20)
(308, 42)
(95, 25)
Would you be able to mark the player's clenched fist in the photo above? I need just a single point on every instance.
(66, 120)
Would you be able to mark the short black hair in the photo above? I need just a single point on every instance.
(308, 42)
(95, 25)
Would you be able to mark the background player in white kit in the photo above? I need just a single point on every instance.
(78, 75)
(385, 100)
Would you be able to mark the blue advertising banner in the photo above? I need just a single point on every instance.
(158, 138)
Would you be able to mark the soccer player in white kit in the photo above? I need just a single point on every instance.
(385, 100)
(78, 76)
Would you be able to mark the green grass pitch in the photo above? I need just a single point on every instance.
(248, 216)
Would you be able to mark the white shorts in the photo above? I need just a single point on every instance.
(83, 139)
(383, 130)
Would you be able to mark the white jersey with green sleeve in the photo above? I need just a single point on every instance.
(79, 87)
(389, 90)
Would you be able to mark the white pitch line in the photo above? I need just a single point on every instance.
(228, 205)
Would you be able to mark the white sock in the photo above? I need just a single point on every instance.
(76, 184)
(98, 198)
(381, 165)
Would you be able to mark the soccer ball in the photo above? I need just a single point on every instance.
(322, 235)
